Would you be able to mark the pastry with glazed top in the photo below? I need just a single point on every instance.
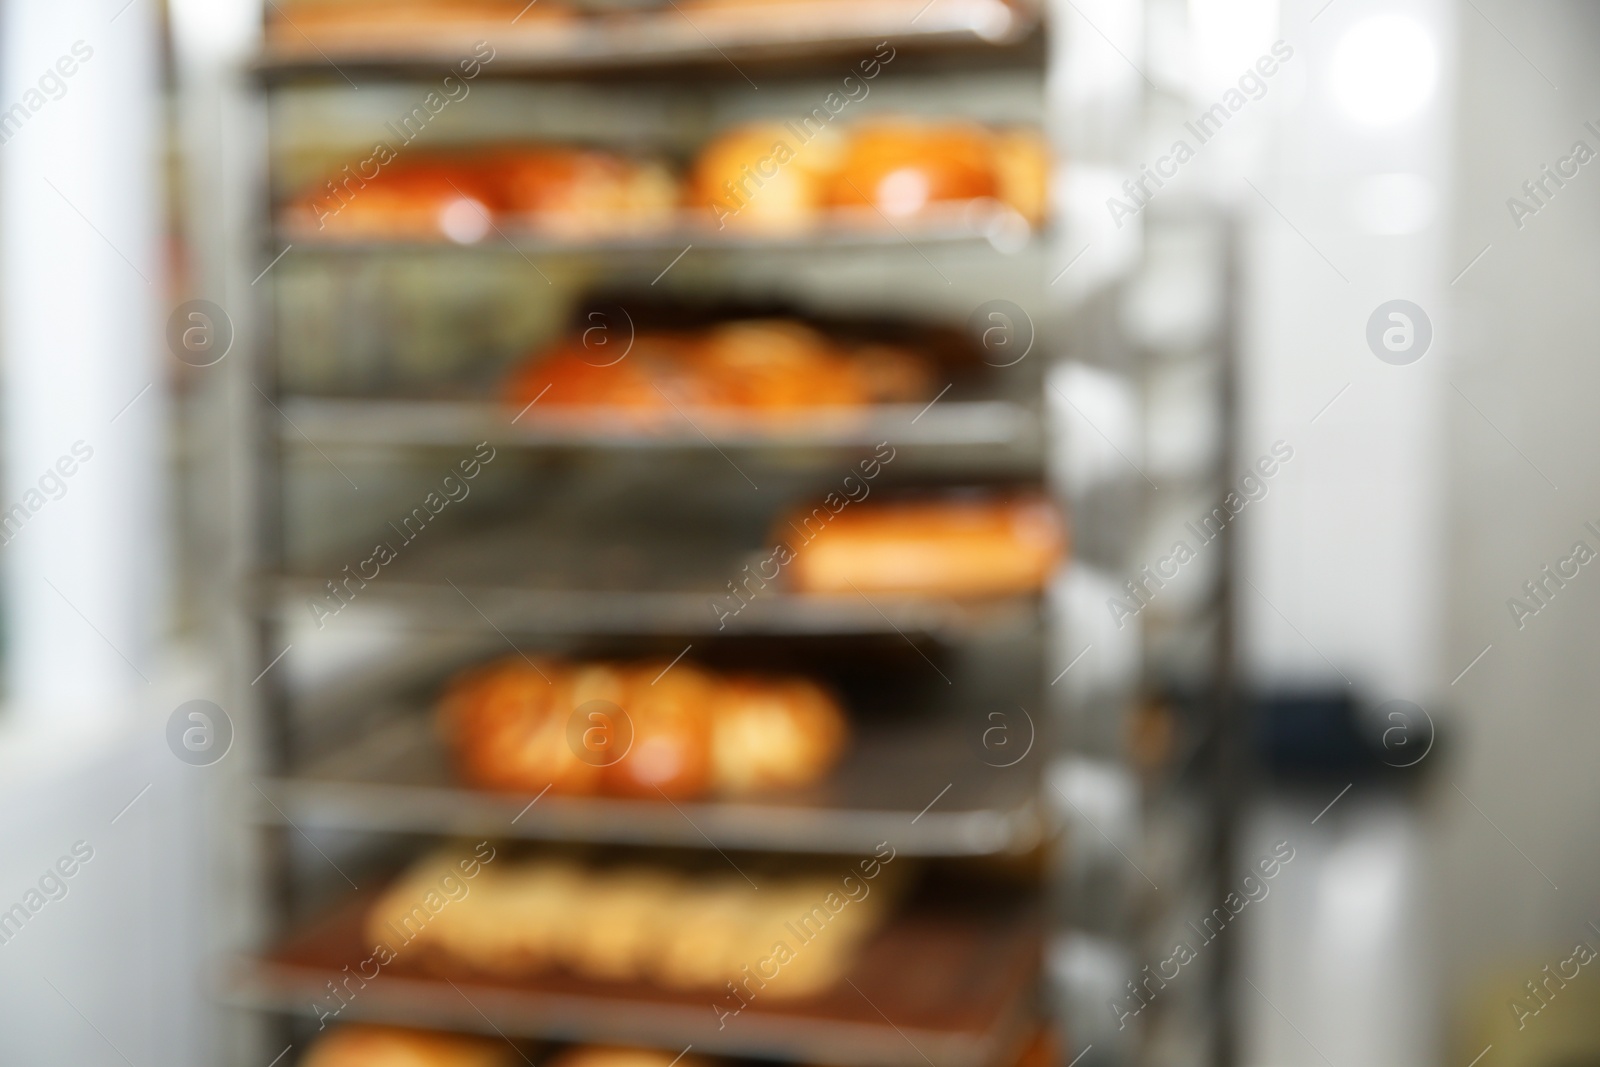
(902, 167)
(784, 178)
(765, 177)
(767, 366)
(397, 192)
(638, 729)
(412, 198)
(361, 1045)
(576, 193)
(962, 547)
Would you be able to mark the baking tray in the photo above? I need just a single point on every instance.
(927, 786)
(938, 985)
(652, 39)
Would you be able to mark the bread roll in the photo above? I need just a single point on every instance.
(645, 377)
(794, 937)
(517, 921)
(776, 365)
(677, 733)
(1022, 167)
(391, 1046)
(893, 375)
(577, 193)
(671, 719)
(411, 197)
(774, 733)
(902, 167)
(614, 928)
(935, 547)
(767, 366)
(707, 934)
(765, 177)
(508, 725)
(338, 18)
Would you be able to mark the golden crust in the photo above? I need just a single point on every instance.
(637, 729)
(934, 547)
(391, 1046)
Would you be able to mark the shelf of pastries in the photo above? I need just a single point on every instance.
(659, 752)
(320, 37)
(853, 961)
(950, 563)
(637, 373)
(377, 1045)
(891, 182)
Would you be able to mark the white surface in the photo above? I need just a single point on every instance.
(80, 331)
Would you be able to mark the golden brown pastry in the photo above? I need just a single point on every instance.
(710, 928)
(767, 366)
(361, 1045)
(902, 167)
(520, 922)
(893, 375)
(775, 364)
(636, 729)
(1022, 169)
(765, 177)
(636, 379)
(573, 192)
(567, 192)
(671, 717)
(409, 197)
(773, 733)
(341, 22)
(955, 547)
(508, 723)
(614, 924)
(682, 929)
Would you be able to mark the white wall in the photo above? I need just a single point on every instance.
(1528, 322)
(105, 974)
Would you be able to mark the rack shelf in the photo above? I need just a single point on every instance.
(924, 788)
(691, 35)
(970, 223)
(426, 423)
(936, 985)
(531, 610)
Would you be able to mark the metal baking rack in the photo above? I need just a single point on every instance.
(391, 781)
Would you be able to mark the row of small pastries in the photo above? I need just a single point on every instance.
(795, 935)
(651, 729)
(763, 177)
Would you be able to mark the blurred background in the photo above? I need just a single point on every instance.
(848, 533)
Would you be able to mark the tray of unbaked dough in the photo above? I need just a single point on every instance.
(954, 986)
